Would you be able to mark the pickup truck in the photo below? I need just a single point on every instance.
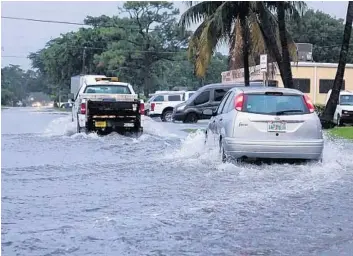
(104, 105)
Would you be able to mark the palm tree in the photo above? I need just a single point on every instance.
(327, 115)
(227, 21)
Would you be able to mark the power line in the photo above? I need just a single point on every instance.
(76, 23)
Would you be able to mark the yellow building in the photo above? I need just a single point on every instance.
(314, 79)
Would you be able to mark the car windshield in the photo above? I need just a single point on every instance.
(275, 104)
(108, 89)
(346, 100)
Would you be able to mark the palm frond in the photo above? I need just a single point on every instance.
(198, 13)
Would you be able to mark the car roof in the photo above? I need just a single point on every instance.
(229, 85)
(269, 89)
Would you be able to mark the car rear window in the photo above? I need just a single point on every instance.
(110, 89)
(275, 104)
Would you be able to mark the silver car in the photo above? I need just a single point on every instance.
(273, 123)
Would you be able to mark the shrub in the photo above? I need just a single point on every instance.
(319, 108)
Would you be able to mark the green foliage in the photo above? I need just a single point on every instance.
(17, 83)
(324, 32)
(319, 108)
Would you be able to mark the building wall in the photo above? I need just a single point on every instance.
(312, 71)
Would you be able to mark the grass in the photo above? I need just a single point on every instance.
(343, 132)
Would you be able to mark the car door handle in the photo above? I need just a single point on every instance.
(221, 119)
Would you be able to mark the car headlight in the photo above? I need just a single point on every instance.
(180, 108)
(345, 112)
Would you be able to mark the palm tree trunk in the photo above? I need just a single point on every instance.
(327, 115)
(286, 65)
(269, 36)
(245, 36)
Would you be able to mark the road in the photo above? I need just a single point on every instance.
(164, 193)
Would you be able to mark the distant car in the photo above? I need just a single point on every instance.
(206, 97)
(66, 105)
(264, 122)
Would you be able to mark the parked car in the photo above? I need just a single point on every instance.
(162, 105)
(266, 122)
(207, 97)
(344, 109)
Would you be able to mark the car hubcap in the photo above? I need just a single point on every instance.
(168, 117)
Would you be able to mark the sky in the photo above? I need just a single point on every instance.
(19, 38)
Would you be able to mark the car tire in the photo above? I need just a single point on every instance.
(167, 116)
(191, 118)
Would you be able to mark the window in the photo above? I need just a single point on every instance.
(219, 93)
(221, 105)
(327, 84)
(174, 98)
(229, 106)
(272, 83)
(204, 97)
(346, 100)
(275, 104)
(159, 98)
(109, 89)
(302, 84)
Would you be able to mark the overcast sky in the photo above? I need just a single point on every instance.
(19, 38)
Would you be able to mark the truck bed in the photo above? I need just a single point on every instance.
(118, 116)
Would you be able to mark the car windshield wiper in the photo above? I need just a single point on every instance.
(289, 111)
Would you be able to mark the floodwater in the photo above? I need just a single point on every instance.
(165, 193)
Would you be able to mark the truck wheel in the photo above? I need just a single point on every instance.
(167, 116)
(191, 118)
(339, 122)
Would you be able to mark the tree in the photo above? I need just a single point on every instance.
(323, 32)
(330, 108)
(227, 21)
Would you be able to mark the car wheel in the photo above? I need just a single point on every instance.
(191, 118)
(167, 116)
(339, 122)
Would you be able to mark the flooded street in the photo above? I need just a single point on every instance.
(165, 193)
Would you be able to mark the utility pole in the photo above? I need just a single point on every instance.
(83, 59)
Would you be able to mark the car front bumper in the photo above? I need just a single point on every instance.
(307, 150)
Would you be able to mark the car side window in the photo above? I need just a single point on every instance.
(203, 98)
(219, 93)
(174, 97)
(228, 106)
(221, 105)
(159, 98)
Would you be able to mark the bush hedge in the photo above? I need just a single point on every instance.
(319, 108)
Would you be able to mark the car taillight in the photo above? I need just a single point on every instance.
(152, 106)
(142, 108)
(309, 103)
(83, 108)
(238, 101)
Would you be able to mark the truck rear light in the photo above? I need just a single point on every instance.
(239, 101)
(309, 103)
(83, 108)
(152, 106)
(142, 108)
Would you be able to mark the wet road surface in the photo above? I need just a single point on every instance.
(164, 193)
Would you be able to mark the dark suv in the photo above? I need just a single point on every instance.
(207, 97)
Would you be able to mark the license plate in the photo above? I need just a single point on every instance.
(277, 127)
(100, 124)
(128, 125)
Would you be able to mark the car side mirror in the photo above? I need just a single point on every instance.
(208, 112)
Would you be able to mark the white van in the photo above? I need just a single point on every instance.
(344, 110)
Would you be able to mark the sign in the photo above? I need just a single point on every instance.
(263, 62)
